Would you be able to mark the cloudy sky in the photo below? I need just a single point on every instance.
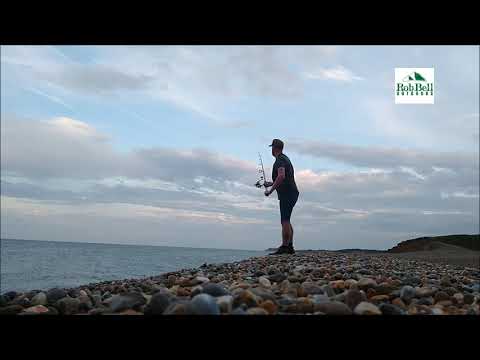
(159, 144)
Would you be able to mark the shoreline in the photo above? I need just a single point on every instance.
(310, 282)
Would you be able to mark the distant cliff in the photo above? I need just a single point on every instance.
(471, 242)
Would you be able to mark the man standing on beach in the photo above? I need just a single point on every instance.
(287, 192)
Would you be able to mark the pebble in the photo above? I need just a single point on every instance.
(159, 302)
(379, 298)
(277, 277)
(214, 289)
(468, 298)
(55, 294)
(424, 292)
(391, 309)
(39, 299)
(126, 301)
(9, 296)
(458, 298)
(245, 297)
(310, 288)
(204, 304)
(350, 282)
(269, 306)
(366, 308)
(225, 303)
(338, 284)
(332, 308)
(441, 296)
(130, 312)
(407, 293)
(37, 309)
(67, 305)
(327, 289)
(178, 308)
(257, 311)
(365, 283)
(263, 294)
(11, 309)
(263, 281)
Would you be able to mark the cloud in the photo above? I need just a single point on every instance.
(383, 157)
(49, 97)
(69, 148)
(337, 73)
(198, 79)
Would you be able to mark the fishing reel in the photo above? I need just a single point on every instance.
(261, 182)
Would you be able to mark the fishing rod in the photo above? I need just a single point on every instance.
(263, 179)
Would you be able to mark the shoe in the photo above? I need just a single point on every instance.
(290, 249)
(281, 250)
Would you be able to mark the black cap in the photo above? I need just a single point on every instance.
(277, 143)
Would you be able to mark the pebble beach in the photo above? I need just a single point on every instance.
(306, 283)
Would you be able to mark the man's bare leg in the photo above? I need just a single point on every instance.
(286, 233)
(290, 242)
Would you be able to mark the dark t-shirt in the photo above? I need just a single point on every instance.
(287, 188)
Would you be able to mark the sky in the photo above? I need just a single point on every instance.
(158, 145)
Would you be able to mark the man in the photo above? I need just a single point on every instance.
(284, 182)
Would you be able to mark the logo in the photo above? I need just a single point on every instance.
(414, 86)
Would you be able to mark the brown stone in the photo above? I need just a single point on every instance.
(269, 306)
(399, 302)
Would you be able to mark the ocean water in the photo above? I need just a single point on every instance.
(41, 265)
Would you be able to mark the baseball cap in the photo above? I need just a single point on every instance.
(277, 143)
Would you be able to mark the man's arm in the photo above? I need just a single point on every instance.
(278, 181)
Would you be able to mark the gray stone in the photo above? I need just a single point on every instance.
(327, 289)
(127, 301)
(11, 310)
(366, 283)
(67, 305)
(390, 309)
(214, 289)
(333, 308)
(441, 296)
(468, 298)
(425, 301)
(407, 293)
(85, 303)
(264, 294)
(55, 294)
(10, 295)
(320, 298)
(277, 277)
(204, 304)
(340, 297)
(353, 298)
(159, 302)
(39, 299)
(238, 311)
(22, 301)
(74, 293)
(225, 303)
(97, 300)
(310, 288)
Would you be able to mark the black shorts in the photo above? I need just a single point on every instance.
(286, 206)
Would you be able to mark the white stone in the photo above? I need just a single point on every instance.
(263, 281)
(366, 308)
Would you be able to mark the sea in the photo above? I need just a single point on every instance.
(41, 265)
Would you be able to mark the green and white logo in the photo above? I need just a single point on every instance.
(414, 85)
